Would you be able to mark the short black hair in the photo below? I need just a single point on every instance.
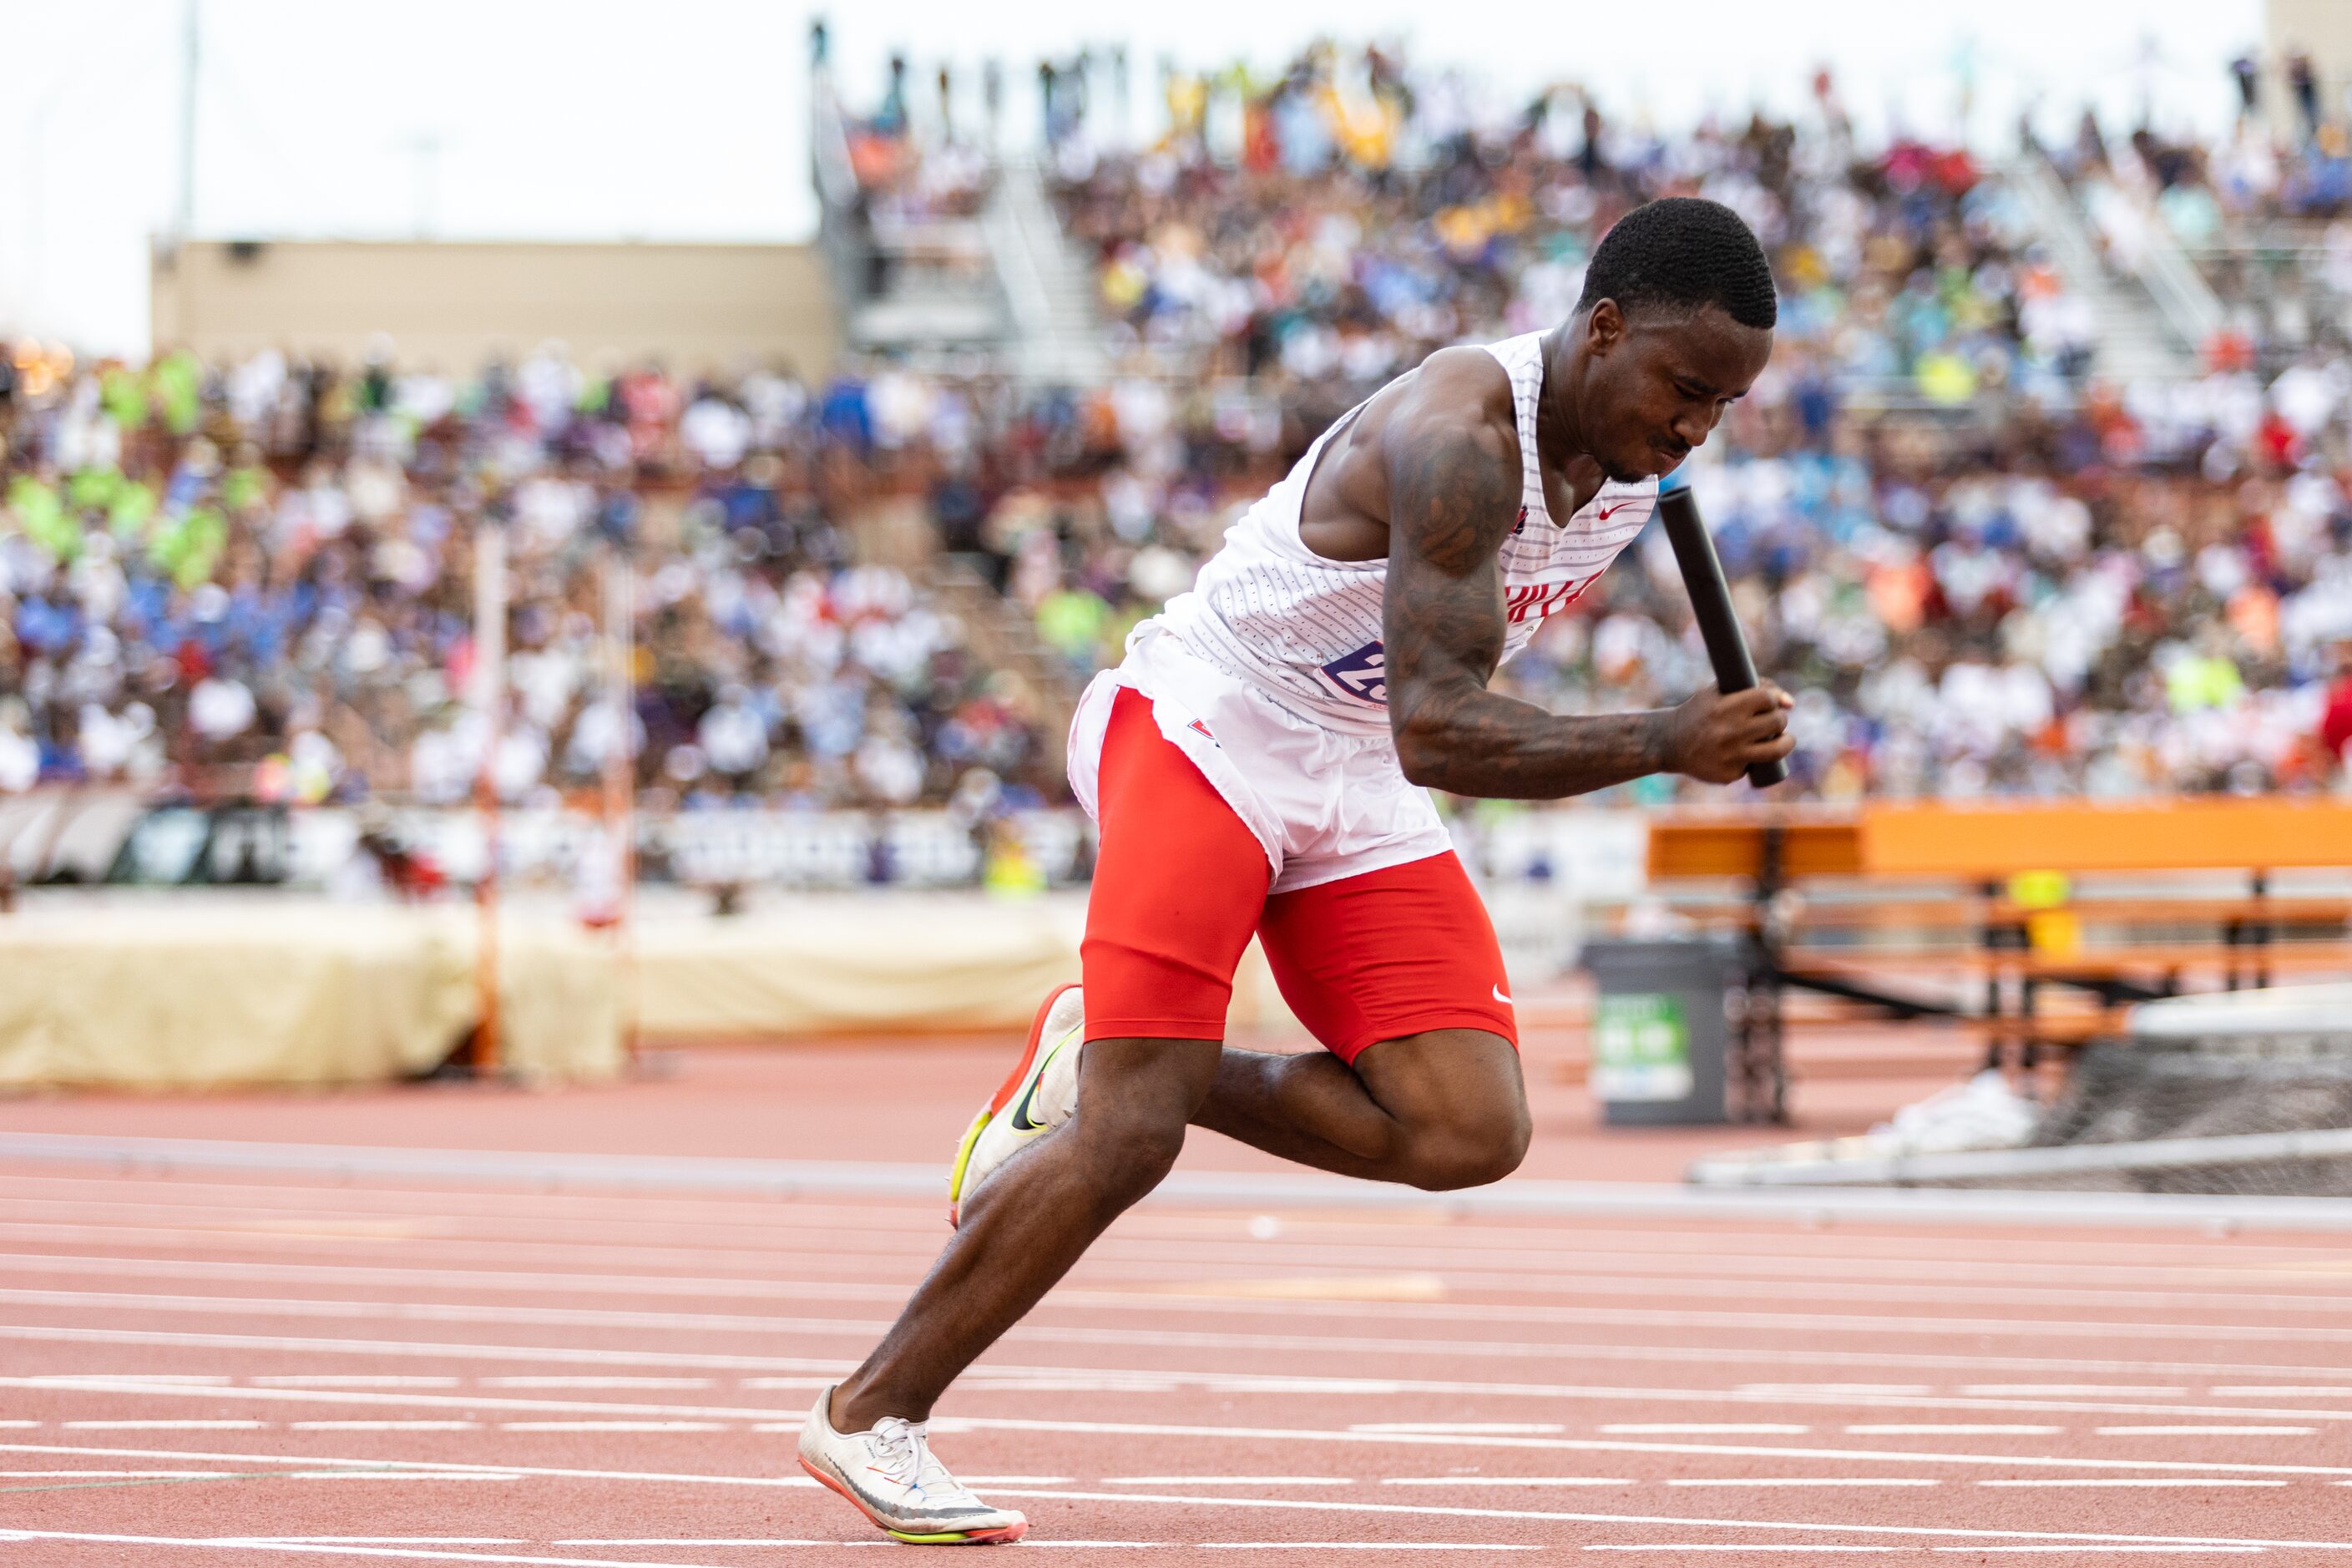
(1685, 253)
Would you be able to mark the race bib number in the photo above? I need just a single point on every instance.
(1362, 675)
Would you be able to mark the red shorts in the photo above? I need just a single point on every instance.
(1181, 883)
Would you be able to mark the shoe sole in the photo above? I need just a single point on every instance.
(997, 1103)
(1001, 1535)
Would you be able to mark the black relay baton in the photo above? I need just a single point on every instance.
(1710, 597)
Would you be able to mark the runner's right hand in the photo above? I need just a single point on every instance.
(1716, 738)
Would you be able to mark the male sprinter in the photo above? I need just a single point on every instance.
(1259, 763)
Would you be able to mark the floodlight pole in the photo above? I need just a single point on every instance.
(489, 697)
(183, 216)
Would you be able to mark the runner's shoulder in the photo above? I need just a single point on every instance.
(1456, 393)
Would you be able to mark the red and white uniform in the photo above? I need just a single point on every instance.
(1307, 630)
(1268, 678)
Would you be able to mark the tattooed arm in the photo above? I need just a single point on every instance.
(1453, 483)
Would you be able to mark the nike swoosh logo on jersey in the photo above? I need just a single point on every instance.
(1505, 1001)
(1603, 514)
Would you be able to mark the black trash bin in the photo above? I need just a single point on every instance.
(1660, 1029)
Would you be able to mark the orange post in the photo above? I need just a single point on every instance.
(489, 695)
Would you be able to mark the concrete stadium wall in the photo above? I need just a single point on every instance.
(453, 306)
(2324, 27)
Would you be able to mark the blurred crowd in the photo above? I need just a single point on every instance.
(1363, 214)
(259, 578)
(2262, 213)
(1983, 567)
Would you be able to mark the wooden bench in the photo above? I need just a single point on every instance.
(2014, 909)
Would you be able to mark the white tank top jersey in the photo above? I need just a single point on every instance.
(1307, 630)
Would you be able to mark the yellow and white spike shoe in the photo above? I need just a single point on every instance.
(1041, 1094)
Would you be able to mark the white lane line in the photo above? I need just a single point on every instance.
(16, 1424)
(2101, 1550)
(1475, 1246)
(1948, 1429)
(1608, 1445)
(1806, 1481)
(805, 1214)
(2275, 1391)
(2072, 1390)
(118, 1474)
(1895, 1390)
(1811, 1324)
(1476, 1481)
(1227, 1481)
(312, 1549)
(348, 1380)
(829, 1368)
(613, 1426)
(404, 1473)
(2106, 1280)
(1466, 1262)
(395, 1473)
(564, 1381)
(1503, 1428)
(2129, 1481)
(1705, 1429)
(1130, 1545)
(628, 1409)
(161, 1426)
(444, 1468)
(2208, 1431)
(1004, 1379)
(1222, 1383)
(199, 1379)
(790, 1420)
(1014, 1480)
(765, 1287)
(384, 1425)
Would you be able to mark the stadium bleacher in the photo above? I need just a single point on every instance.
(1990, 568)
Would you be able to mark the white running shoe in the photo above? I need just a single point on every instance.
(1041, 1094)
(892, 1476)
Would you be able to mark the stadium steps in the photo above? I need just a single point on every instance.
(2134, 340)
(897, 531)
(1004, 638)
(1049, 287)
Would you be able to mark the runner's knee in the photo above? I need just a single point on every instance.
(1135, 1097)
(1445, 1158)
(1128, 1153)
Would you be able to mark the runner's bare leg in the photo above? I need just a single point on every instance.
(1440, 1109)
(1022, 1230)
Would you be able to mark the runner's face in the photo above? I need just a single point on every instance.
(1658, 381)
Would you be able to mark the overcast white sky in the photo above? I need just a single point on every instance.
(596, 119)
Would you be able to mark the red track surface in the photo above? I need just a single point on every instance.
(216, 1368)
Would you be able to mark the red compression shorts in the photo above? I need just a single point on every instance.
(1180, 884)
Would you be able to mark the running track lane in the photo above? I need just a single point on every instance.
(219, 1368)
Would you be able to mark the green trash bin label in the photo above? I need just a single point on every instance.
(1641, 1049)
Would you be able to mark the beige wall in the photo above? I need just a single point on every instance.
(452, 306)
(2324, 28)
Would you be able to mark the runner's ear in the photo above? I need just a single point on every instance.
(1604, 327)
